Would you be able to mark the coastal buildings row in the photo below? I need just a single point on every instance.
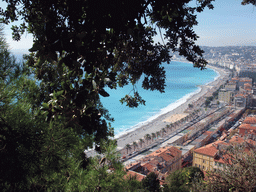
(242, 59)
(239, 92)
(207, 139)
(209, 157)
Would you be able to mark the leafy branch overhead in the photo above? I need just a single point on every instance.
(83, 46)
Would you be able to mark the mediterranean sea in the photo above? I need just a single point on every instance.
(182, 82)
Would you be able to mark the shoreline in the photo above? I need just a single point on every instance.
(158, 123)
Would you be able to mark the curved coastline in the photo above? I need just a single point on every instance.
(156, 123)
(163, 111)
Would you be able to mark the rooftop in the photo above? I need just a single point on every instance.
(138, 176)
(250, 120)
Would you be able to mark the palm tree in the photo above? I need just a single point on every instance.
(167, 128)
(128, 147)
(153, 136)
(182, 120)
(157, 134)
(172, 126)
(175, 124)
(141, 142)
(134, 145)
(163, 131)
(147, 137)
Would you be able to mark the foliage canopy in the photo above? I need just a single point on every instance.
(80, 47)
(181, 180)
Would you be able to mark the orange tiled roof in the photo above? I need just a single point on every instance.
(250, 120)
(247, 126)
(212, 151)
(138, 176)
(167, 153)
(240, 95)
(149, 167)
(238, 139)
(247, 84)
(132, 165)
(209, 150)
(166, 156)
(245, 80)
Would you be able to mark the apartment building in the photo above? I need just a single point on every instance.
(248, 126)
(162, 162)
(205, 157)
(225, 96)
(241, 100)
(209, 156)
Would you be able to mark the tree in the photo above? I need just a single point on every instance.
(132, 184)
(167, 128)
(141, 142)
(17, 132)
(128, 147)
(163, 131)
(207, 102)
(81, 47)
(153, 135)
(182, 180)
(158, 134)
(134, 145)
(40, 155)
(151, 182)
(147, 137)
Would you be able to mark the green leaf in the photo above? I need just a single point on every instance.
(103, 93)
(59, 93)
(45, 106)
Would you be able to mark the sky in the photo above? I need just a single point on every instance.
(228, 24)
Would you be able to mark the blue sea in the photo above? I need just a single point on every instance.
(182, 82)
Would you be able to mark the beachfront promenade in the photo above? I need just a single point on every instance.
(161, 129)
(177, 134)
(166, 127)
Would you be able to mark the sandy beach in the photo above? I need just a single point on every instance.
(174, 115)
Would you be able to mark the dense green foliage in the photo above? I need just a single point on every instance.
(80, 47)
(151, 183)
(181, 180)
(40, 155)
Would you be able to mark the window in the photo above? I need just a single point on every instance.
(196, 165)
(203, 167)
(203, 161)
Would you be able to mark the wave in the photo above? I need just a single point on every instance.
(154, 113)
(170, 107)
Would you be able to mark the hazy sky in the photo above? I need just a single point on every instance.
(229, 23)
